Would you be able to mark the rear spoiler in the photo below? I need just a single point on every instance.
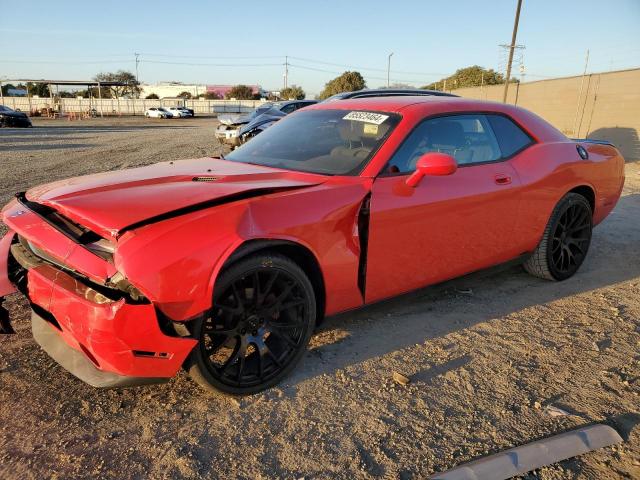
(588, 140)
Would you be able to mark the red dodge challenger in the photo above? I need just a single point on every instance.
(224, 266)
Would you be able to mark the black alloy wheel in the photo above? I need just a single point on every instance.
(566, 240)
(259, 327)
(570, 239)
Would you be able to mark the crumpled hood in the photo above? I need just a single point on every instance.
(232, 119)
(109, 202)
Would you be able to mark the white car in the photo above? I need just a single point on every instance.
(158, 112)
(180, 112)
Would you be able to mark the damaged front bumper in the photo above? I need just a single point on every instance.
(101, 335)
(228, 134)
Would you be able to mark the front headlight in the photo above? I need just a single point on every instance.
(103, 248)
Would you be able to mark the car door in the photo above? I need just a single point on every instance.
(445, 226)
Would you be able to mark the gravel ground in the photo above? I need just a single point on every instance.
(486, 354)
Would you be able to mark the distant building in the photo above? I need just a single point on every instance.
(171, 89)
(222, 90)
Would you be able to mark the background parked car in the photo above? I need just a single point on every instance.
(12, 118)
(180, 112)
(227, 132)
(189, 110)
(157, 112)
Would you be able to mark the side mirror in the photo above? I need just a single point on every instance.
(432, 164)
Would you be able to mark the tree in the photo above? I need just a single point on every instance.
(130, 89)
(152, 96)
(40, 89)
(292, 93)
(240, 92)
(66, 94)
(347, 82)
(186, 95)
(211, 96)
(473, 76)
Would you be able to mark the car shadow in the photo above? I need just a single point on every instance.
(373, 331)
(624, 138)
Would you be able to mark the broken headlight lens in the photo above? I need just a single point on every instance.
(103, 248)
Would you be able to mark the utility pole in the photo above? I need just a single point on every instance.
(519, 83)
(511, 49)
(137, 61)
(286, 71)
(389, 67)
(584, 73)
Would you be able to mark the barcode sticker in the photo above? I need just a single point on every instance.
(368, 117)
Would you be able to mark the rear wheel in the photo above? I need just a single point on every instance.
(565, 241)
(263, 316)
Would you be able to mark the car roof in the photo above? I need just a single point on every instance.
(397, 103)
(389, 92)
(423, 103)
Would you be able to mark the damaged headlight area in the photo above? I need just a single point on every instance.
(24, 256)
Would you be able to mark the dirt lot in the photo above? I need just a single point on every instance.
(486, 354)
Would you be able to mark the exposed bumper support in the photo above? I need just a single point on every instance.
(78, 364)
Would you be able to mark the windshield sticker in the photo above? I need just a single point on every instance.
(368, 117)
(370, 129)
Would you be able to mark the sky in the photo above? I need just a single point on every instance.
(206, 43)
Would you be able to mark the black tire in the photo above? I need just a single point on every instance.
(565, 241)
(265, 313)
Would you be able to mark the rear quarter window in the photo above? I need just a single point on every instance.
(511, 138)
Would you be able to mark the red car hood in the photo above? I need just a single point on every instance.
(108, 202)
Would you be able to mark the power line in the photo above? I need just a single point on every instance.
(194, 64)
(62, 63)
(334, 72)
(353, 67)
(228, 57)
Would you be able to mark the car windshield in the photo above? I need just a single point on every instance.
(5, 109)
(329, 142)
(260, 110)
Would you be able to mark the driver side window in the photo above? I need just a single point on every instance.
(467, 138)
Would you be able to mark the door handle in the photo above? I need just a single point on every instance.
(502, 179)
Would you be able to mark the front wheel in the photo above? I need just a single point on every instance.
(565, 241)
(263, 315)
